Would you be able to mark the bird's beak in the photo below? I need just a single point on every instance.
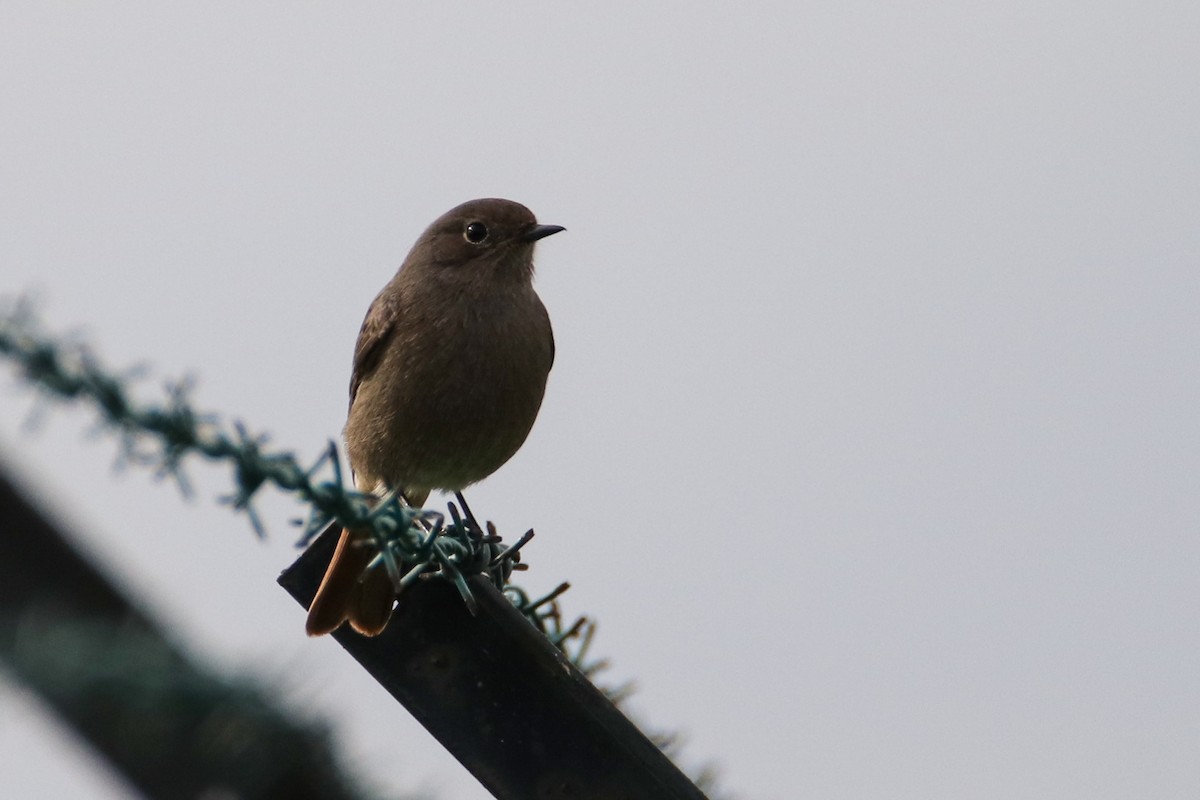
(541, 232)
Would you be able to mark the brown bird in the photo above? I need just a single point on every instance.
(449, 372)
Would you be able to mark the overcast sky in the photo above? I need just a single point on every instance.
(872, 441)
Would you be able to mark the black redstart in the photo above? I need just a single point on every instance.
(449, 372)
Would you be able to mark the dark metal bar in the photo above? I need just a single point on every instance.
(173, 729)
(499, 696)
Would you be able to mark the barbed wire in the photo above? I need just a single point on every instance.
(413, 543)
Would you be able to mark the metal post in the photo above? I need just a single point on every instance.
(499, 696)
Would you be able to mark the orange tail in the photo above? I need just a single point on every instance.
(347, 594)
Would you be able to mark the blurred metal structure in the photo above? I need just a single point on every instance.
(173, 729)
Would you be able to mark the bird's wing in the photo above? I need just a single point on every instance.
(376, 330)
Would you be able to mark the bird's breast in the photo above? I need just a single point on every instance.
(454, 395)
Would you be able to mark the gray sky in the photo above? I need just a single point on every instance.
(872, 440)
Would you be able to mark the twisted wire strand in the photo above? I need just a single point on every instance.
(412, 543)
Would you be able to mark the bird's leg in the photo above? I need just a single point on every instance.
(472, 524)
(420, 522)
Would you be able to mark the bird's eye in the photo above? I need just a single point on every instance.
(476, 232)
